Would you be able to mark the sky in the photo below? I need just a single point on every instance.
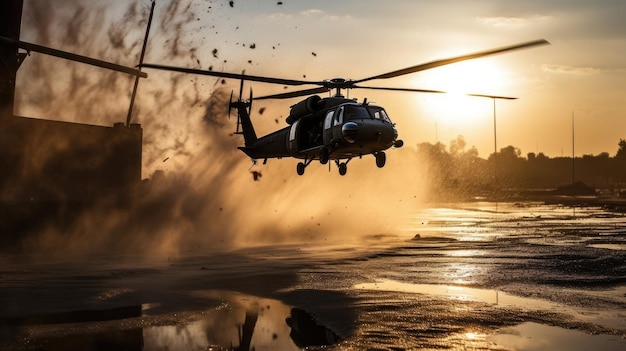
(581, 74)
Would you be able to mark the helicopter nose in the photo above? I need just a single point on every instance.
(349, 131)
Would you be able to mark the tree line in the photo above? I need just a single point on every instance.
(460, 170)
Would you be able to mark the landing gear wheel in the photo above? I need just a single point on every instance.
(324, 155)
(381, 158)
(343, 168)
(300, 168)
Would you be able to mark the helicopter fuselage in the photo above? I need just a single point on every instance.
(326, 129)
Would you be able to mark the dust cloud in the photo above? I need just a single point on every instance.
(200, 192)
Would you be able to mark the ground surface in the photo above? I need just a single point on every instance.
(476, 277)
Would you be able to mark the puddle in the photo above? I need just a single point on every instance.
(533, 336)
(621, 247)
(241, 322)
(607, 318)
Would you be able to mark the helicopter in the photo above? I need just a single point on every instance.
(330, 128)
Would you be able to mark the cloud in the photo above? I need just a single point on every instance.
(513, 22)
(280, 16)
(312, 12)
(324, 15)
(565, 69)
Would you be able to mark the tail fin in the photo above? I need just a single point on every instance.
(243, 118)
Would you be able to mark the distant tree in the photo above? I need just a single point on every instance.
(457, 145)
(438, 162)
(621, 151)
(509, 153)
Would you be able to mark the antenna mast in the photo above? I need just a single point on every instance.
(143, 52)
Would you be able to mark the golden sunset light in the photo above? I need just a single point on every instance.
(294, 175)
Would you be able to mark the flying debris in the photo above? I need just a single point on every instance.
(256, 175)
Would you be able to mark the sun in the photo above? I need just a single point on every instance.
(478, 76)
(457, 80)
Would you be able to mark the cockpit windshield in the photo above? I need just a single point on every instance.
(379, 113)
(352, 112)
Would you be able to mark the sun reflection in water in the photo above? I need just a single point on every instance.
(461, 273)
(475, 335)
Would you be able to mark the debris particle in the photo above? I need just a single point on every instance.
(231, 3)
(261, 110)
(252, 46)
(279, 3)
(314, 54)
(167, 158)
(214, 53)
(256, 175)
(276, 120)
(250, 61)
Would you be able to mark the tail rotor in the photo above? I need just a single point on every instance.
(250, 102)
(239, 103)
(230, 104)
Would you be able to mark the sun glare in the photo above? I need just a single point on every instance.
(478, 76)
(458, 80)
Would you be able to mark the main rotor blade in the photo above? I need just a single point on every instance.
(493, 96)
(72, 57)
(293, 94)
(400, 89)
(448, 61)
(231, 75)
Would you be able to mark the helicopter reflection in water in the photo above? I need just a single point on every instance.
(239, 322)
(243, 323)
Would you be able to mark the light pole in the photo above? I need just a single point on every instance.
(495, 136)
(573, 153)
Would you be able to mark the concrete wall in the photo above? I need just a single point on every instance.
(44, 160)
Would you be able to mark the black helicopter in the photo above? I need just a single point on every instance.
(332, 128)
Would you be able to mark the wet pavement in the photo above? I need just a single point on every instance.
(482, 276)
